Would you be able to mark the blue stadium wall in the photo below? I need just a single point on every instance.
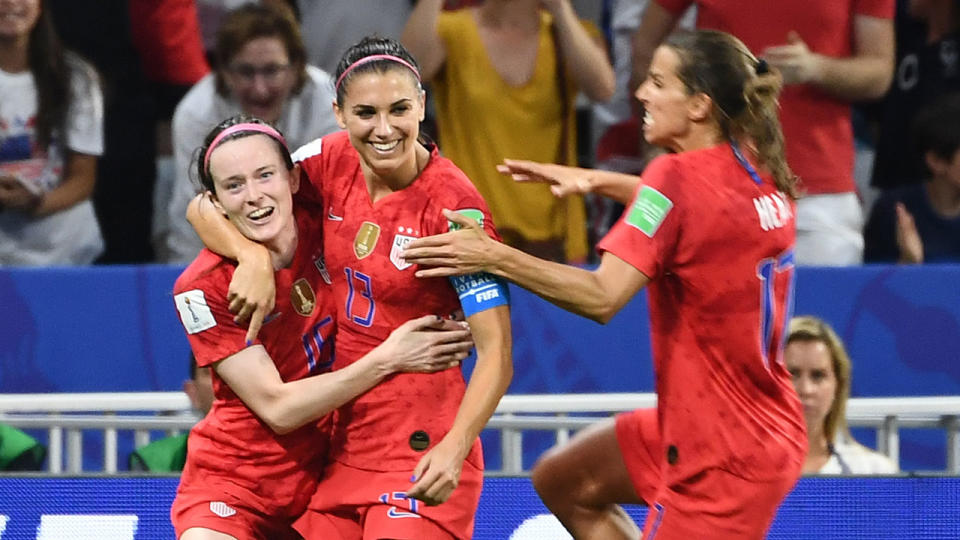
(817, 509)
(115, 329)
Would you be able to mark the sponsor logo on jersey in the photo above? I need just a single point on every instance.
(366, 239)
(194, 312)
(472, 213)
(302, 297)
(321, 265)
(649, 210)
(400, 241)
(333, 217)
(221, 509)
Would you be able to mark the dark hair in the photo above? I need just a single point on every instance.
(370, 46)
(744, 92)
(203, 169)
(252, 21)
(936, 128)
(51, 75)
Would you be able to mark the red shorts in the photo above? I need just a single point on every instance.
(355, 504)
(710, 504)
(208, 500)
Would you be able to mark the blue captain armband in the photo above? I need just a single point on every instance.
(480, 292)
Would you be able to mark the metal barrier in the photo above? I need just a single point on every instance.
(70, 414)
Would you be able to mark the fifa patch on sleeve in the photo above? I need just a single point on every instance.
(480, 292)
(471, 213)
(649, 210)
(194, 312)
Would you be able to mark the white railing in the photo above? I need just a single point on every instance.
(71, 414)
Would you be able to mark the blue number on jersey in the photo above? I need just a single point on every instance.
(767, 271)
(366, 291)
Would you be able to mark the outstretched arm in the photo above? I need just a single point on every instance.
(566, 180)
(420, 37)
(598, 294)
(419, 345)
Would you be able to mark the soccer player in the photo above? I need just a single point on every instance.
(711, 231)
(382, 187)
(254, 460)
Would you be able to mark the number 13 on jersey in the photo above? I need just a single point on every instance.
(776, 303)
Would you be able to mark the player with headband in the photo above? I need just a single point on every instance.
(412, 442)
(253, 462)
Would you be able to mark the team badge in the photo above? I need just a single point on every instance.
(366, 239)
(648, 211)
(472, 213)
(400, 241)
(302, 297)
(321, 265)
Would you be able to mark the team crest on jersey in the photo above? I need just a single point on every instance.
(302, 297)
(321, 265)
(400, 241)
(366, 239)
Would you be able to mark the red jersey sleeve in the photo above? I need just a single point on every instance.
(677, 7)
(648, 231)
(310, 158)
(202, 306)
(883, 9)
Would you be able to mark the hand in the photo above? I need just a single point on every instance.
(438, 472)
(466, 251)
(908, 239)
(252, 293)
(563, 180)
(14, 196)
(796, 63)
(426, 345)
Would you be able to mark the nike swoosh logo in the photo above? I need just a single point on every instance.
(332, 217)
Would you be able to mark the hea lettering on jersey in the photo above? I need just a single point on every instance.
(773, 210)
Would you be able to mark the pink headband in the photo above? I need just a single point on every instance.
(237, 128)
(371, 58)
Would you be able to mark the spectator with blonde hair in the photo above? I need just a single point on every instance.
(820, 367)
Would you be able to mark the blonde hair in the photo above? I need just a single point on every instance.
(744, 91)
(811, 329)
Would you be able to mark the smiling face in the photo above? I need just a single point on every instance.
(17, 18)
(254, 188)
(811, 367)
(261, 78)
(382, 113)
(670, 108)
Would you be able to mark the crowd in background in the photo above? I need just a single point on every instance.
(104, 103)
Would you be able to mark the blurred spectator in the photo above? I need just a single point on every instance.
(335, 25)
(505, 76)
(262, 71)
(921, 222)
(830, 53)
(19, 451)
(821, 368)
(211, 14)
(170, 453)
(928, 66)
(51, 132)
(166, 34)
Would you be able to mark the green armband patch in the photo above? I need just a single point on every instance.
(472, 213)
(649, 210)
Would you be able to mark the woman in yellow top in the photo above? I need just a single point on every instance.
(505, 75)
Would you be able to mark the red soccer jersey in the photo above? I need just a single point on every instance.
(718, 247)
(816, 126)
(388, 427)
(231, 440)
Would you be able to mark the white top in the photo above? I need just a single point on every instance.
(71, 236)
(307, 116)
(851, 457)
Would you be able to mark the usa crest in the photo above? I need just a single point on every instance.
(366, 239)
(400, 241)
(302, 297)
